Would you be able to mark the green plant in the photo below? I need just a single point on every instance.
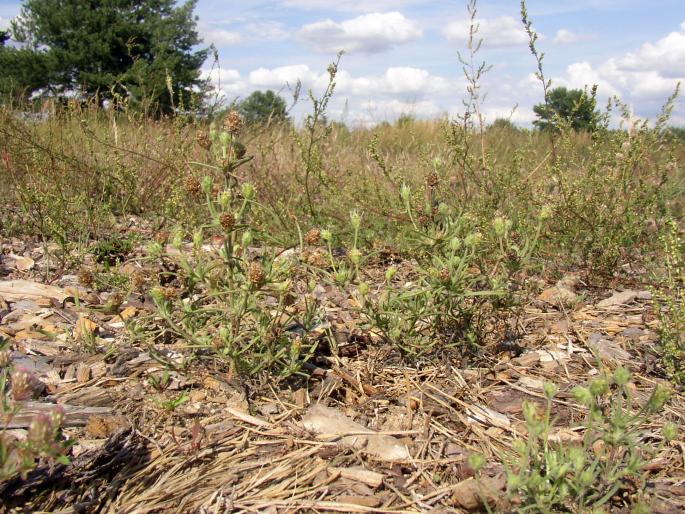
(602, 194)
(669, 303)
(452, 296)
(224, 303)
(161, 382)
(174, 403)
(316, 131)
(550, 474)
(112, 250)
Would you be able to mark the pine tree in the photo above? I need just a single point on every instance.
(263, 107)
(138, 49)
(574, 106)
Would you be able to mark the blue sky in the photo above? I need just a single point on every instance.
(401, 55)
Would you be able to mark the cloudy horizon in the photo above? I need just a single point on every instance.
(401, 56)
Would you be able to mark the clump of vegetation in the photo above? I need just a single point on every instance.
(113, 250)
(552, 472)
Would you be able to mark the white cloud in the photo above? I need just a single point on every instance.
(401, 81)
(581, 74)
(495, 32)
(508, 112)
(371, 98)
(276, 78)
(373, 32)
(566, 37)
(337, 5)
(666, 56)
(228, 81)
(397, 81)
(649, 74)
(4, 23)
(266, 31)
(218, 36)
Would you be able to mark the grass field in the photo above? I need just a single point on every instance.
(415, 276)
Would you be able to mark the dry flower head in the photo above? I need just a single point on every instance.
(313, 237)
(255, 274)
(234, 123)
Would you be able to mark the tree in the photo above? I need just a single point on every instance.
(263, 107)
(574, 106)
(139, 49)
(24, 70)
(503, 124)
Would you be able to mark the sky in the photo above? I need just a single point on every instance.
(401, 56)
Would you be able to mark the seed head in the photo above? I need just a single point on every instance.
(192, 185)
(234, 123)
(313, 237)
(203, 140)
(24, 384)
(137, 280)
(227, 221)
(40, 431)
(5, 358)
(444, 275)
(162, 237)
(255, 274)
(85, 277)
(317, 258)
(169, 293)
(432, 179)
(248, 191)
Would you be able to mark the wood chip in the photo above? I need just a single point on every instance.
(359, 474)
(472, 494)
(364, 501)
(15, 290)
(82, 373)
(74, 416)
(624, 298)
(84, 327)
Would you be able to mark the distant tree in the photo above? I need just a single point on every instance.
(23, 71)
(263, 107)
(141, 49)
(503, 124)
(405, 119)
(572, 105)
